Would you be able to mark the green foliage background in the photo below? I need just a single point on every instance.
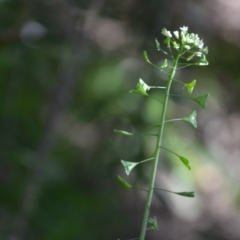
(65, 71)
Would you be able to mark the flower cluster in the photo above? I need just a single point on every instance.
(186, 42)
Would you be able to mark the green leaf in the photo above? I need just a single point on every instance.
(128, 166)
(190, 86)
(141, 88)
(165, 63)
(145, 56)
(191, 57)
(153, 222)
(201, 100)
(157, 44)
(167, 42)
(123, 132)
(191, 119)
(185, 194)
(185, 161)
(124, 183)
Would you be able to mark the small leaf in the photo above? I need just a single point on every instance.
(165, 63)
(157, 44)
(153, 222)
(185, 194)
(190, 86)
(191, 57)
(141, 88)
(185, 161)
(128, 166)
(201, 100)
(124, 183)
(123, 132)
(191, 119)
(175, 45)
(167, 42)
(145, 56)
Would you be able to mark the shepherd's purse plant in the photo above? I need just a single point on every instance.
(184, 49)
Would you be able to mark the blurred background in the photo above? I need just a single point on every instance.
(66, 67)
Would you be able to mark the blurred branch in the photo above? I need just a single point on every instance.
(58, 106)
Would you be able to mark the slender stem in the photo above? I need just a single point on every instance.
(175, 80)
(165, 190)
(175, 95)
(158, 144)
(155, 99)
(157, 87)
(165, 72)
(173, 120)
(159, 68)
(169, 151)
(165, 53)
(146, 160)
(170, 50)
(185, 66)
(150, 134)
(150, 129)
(144, 134)
(142, 189)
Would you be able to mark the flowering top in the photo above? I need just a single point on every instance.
(166, 33)
(186, 43)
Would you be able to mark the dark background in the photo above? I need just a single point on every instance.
(65, 71)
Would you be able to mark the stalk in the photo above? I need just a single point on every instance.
(158, 145)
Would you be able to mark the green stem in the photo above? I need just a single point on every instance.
(157, 87)
(169, 151)
(142, 189)
(175, 95)
(173, 120)
(150, 134)
(146, 160)
(158, 145)
(159, 68)
(165, 190)
(175, 80)
(155, 99)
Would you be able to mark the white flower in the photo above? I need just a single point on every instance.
(199, 54)
(166, 33)
(184, 28)
(176, 33)
(189, 40)
(187, 47)
(201, 44)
